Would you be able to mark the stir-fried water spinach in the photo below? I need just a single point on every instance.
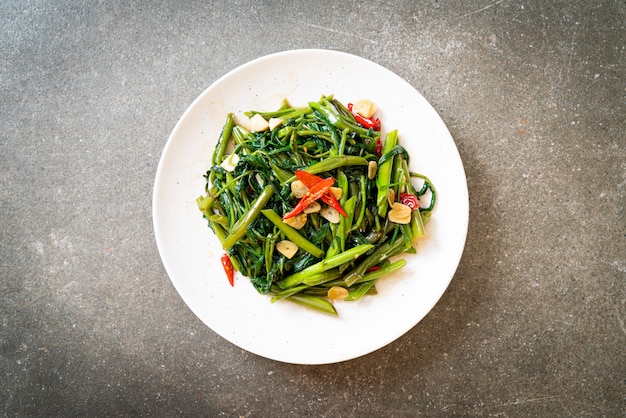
(311, 202)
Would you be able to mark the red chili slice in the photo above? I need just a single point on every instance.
(373, 123)
(311, 181)
(307, 178)
(229, 269)
(410, 200)
(330, 199)
(314, 193)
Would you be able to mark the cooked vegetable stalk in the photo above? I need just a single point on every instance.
(222, 142)
(383, 176)
(241, 226)
(383, 252)
(314, 302)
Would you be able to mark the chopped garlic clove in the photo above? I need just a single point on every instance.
(259, 180)
(372, 169)
(330, 214)
(297, 221)
(399, 213)
(287, 248)
(365, 108)
(298, 189)
(337, 292)
(313, 208)
(337, 192)
(258, 123)
(275, 123)
(391, 196)
(230, 162)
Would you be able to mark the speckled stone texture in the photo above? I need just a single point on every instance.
(532, 323)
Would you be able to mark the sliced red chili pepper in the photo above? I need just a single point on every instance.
(307, 178)
(379, 147)
(330, 199)
(371, 269)
(229, 269)
(310, 180)
(410, 200)
(373, 123)
(314, 193)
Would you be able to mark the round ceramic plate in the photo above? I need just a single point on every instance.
(285, 331)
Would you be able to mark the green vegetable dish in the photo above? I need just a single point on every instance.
(310, 203)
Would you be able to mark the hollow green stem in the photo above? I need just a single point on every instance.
(287, 293)
(317, 279)
(314, 302)
(358, 291)
(240, 228)
(382, 252)
(222, 142)
(383, 177)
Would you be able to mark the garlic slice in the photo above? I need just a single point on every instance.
(298, 188)
(399, 213)
(337, 292)
(391, 196)
(230, 162)
(330, 214)
(275, 123)
(297, 221)
(287, 248)
(365, 108)
(372, 169)
(312, 208)
(337, 192)
(258, 123)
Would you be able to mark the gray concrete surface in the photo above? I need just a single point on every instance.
(533, 323)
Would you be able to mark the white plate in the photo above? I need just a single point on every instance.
(285, 331)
